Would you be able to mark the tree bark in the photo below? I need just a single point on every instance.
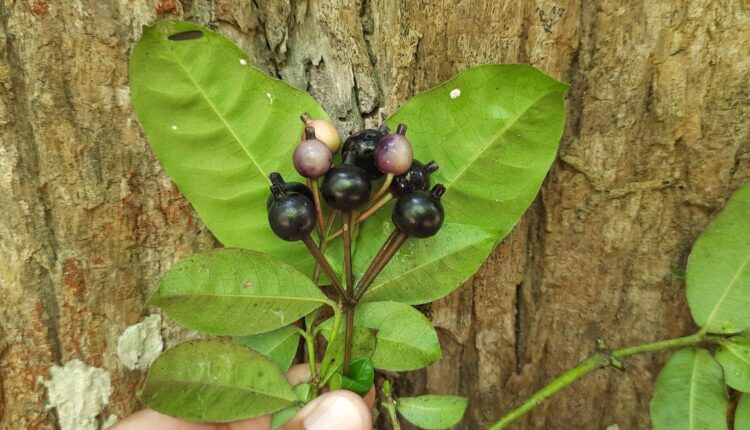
(657, 138)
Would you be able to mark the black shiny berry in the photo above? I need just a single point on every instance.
(288, 187)
(291, 215)
(420, 213)
(362, 146)
(346, 187)
(394, 153)
(415, 179)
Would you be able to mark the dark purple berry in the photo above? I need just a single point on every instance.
(415, 179)
(312, 158)
(291, 216)
(288, 187)
(420, 213)
(346, 187)
(394, 154)
(362, 145)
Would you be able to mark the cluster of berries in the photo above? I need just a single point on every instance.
(294, 209)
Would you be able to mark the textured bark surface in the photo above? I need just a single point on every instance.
(657, 138)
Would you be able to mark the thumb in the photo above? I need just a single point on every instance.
(337, 410)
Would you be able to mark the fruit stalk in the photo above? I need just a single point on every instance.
(349, 307)
(383, 188)
(313, 184)
(324, 243)
(381, 259)
(321, 259)
(367, 214)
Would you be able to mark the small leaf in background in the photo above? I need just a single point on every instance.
(215, 381)
(494, 130)
(734, 357)
(360, 379)
(279, 345)
(690, 393)
(405, 337)
(220, 127)
(432, 412)
(718, 269)
(742, 415)
(363, 345)
(235, 292)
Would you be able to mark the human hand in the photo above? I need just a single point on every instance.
(336, 410)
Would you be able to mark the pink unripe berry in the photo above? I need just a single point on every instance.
(394, 153)
(312, 158)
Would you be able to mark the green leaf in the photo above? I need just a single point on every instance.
(425, 269)
(360, 379)
(742, 415)
(718, 269)
(215, 381)
(690, 393)
(405, 338)
(278, 345)
(734, 357)
(431, 411)
(494, 130)
(235, 292)
(219, 127)
(363, 345)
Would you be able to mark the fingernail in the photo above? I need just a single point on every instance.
(336, 413)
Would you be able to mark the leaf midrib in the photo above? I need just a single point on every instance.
(219, 115)
(245, 296)
(731, 285)
(692, 390)
(492, 141)
(181, 382)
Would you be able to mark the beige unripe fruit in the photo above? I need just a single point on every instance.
(324, 131)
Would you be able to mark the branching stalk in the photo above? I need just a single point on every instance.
(313, 183)
(387, 402)
(386, 253)
(600, 358)
(321, 259)
(324, 243)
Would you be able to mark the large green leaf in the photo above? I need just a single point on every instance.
(279, 345)
(494, 130)
(219, 127)
(690, 393)
(235, 292)
(734, 357)
(432, 412)
(742, 416)
(215, 381)
(405, 338)
(718, 269)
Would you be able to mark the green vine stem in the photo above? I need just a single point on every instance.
(387, 402)
(599, 359)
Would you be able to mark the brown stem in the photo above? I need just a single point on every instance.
(313, 183)
(321, 259)
(324, 243)
(383, 188)
(386, 253)
(348, 340)
(349, 309)
(367, 214)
